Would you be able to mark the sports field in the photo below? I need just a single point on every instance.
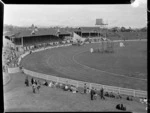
(126, 67)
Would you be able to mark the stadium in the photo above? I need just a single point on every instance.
(63, 56)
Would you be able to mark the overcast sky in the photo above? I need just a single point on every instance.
(76, 15)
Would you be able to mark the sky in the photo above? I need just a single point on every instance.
(134, 16)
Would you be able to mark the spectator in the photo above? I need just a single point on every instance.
(73, 89)
(34, 87)
(95, 94)
(102, 93)
(118, 96)
(112, 95)
(129, 98)
(27, 81)
(66, 88)
(85, 88)
(120, 107)
(45, 83)
(88, 90)
(38, 86)
(32, 81)
(35, 82)
(50, 84)
(92, 93)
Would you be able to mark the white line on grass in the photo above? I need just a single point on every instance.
(102, 70)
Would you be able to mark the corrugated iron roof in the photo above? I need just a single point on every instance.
(39, 32)
(89, 29)
(49, 31)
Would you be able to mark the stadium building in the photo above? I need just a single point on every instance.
(28, 38)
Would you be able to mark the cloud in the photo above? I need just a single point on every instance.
(136, 3)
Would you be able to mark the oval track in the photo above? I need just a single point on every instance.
(59, 62)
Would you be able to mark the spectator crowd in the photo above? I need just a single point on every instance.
(95, 94)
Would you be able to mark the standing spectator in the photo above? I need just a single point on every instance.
(102, 93)
(92, 93)
(27, 81)
(32, 81)
(38, 86)
(34, 87)
(35, 82)
(85, 88)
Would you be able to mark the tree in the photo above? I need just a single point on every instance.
(115, 29)
(123, 29)
(144, 29)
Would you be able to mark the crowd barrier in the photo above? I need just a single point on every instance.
(125, 91)
(13, 70)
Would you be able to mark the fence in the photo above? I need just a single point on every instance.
(14, 70)
(126, 91)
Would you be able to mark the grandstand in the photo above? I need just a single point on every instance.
(27, 37)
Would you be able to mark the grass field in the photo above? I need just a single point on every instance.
(19, 98)
(129, 61)
(64, 62)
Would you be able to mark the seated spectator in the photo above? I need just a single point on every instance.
(120, 107)
(66, 88)
(118, 96)
(88, 90)
(50, 84)
(45, 83)
(61, 86)
(73, 89)
(106, 94)
(143, 101)
(129, 98)
(112, 95)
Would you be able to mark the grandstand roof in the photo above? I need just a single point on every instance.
(39, 32)
(89, 29)
(50, 31)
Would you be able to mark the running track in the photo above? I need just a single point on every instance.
(61, 62)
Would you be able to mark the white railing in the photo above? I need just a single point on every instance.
(126, 91)
(14, 70)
